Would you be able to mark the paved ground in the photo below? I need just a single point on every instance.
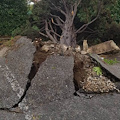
(50, 96)
(14, 69)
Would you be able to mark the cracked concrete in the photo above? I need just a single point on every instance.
(6, 100)
(50, 96)
(14, 70)
(19, 60)
(57, 84)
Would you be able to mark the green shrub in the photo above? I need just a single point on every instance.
(13, 14)
(30, 33)
(98, 70)
(16, 31)
(111, 62)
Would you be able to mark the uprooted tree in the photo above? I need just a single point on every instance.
(56, 19)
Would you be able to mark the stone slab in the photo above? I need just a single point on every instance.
(19, 60)
(11, 116)
(53, 81)
(113, 69)
(14, 69)
(100, 107)
(7, 95)
(104, 47)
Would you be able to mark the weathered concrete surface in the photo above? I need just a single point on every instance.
(100, 107)
(14, 69)
(7, 95)
(46, 98)
(19, 60)
(53, 81)
(104, 47)
(51, 95)
(11, 116)
(113, 69)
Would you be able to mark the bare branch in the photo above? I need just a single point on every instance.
(79, 1)
(57, 17)
(74, 9)
(55, 33)
(48, 32)
(43, 34)
(64, 3)
(52, 30)
(81, 29)
(58, 9)
(90, 29)
(57, 24)
(42, 29)
(50, 25)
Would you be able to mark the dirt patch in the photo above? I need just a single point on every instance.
(83, 67)
(44, 49)
(39, 57)
(10, 42)
(79, 72)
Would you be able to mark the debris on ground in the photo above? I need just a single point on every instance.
(50, 91)
(83, 65)
(104, 47)
(98, 85)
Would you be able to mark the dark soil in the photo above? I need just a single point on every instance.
(82, 63)
(39, 57)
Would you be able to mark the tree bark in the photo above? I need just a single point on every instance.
(68, 36)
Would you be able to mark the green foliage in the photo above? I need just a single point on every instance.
(27, 30)
(112, 32)
(16, 31)
(40, 12)
(13, 14)
(115, 11)
(109, 13)
(87, 10)
(35, 28)
(98, 70)
(110, 62)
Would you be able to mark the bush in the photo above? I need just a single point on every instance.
(31, 33)
(113, 32)
(13, 14)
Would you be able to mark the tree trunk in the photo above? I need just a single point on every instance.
(68, 36)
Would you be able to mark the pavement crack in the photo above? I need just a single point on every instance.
(31, 75)
(38, 58)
